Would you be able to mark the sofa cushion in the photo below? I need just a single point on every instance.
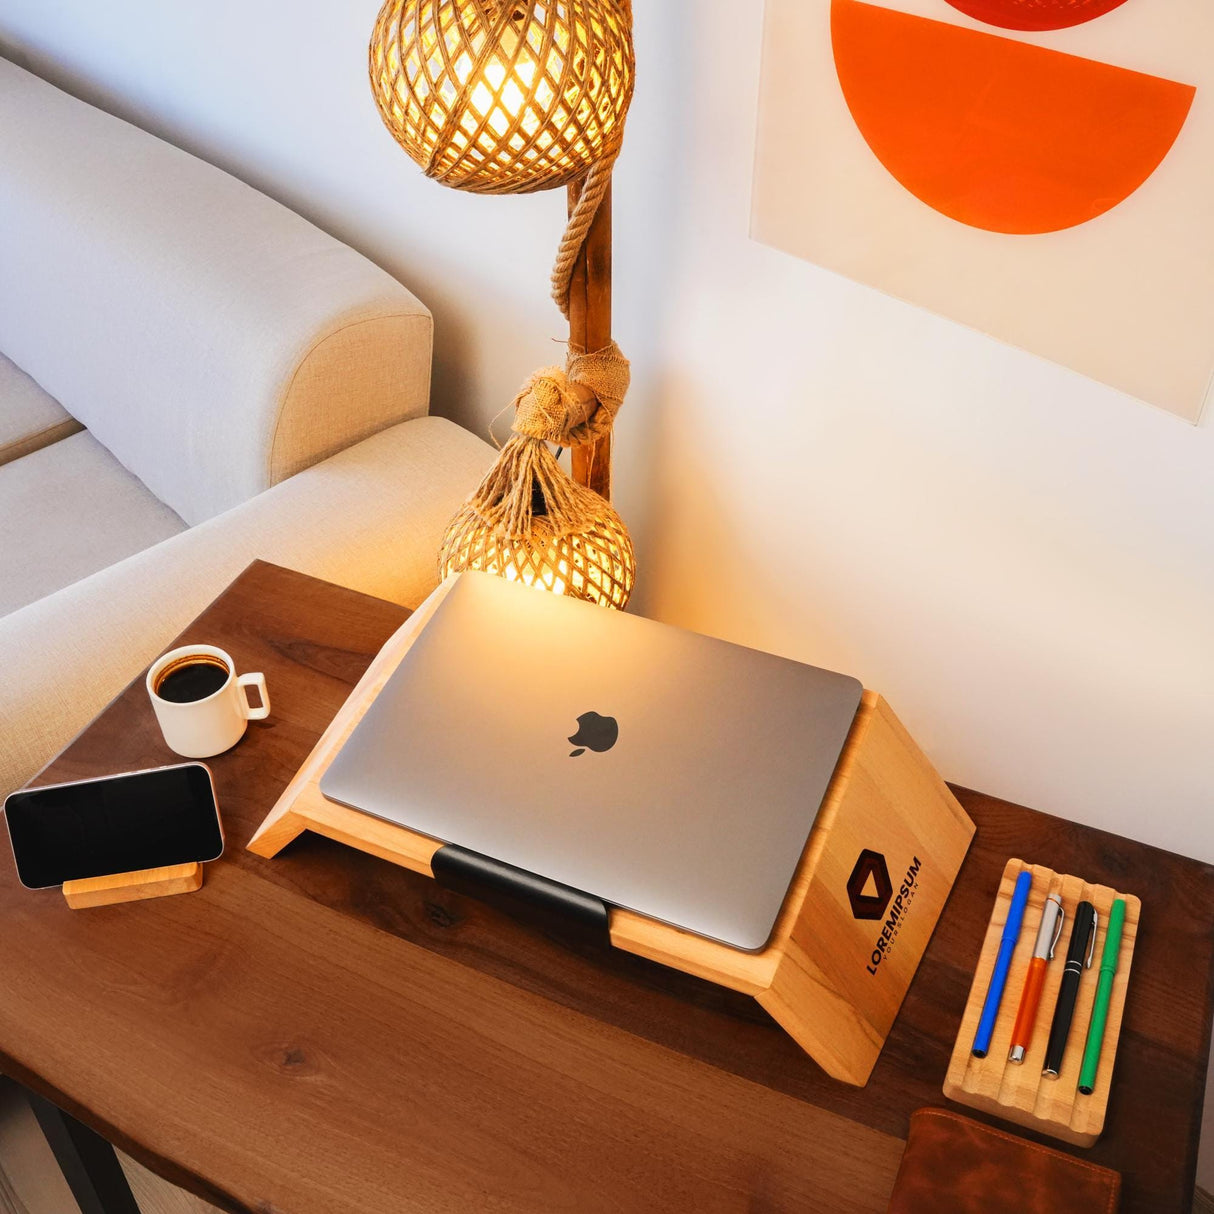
(68, 510)
(371, 518)
(29, 417)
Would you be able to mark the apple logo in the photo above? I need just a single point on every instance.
(594, 732)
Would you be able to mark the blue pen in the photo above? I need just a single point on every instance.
(1007, 946)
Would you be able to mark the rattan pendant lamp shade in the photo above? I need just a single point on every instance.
(503, 96)
(594, 562)
(509, 97)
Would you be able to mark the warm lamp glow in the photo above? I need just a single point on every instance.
(597, 565)
(504, 96)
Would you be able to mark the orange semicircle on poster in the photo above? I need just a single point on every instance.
(999, 134)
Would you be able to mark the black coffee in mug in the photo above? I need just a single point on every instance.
(192, 678)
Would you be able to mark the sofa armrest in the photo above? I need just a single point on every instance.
(371, 518)
(213, 340)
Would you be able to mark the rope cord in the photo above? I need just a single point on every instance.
(594, 186)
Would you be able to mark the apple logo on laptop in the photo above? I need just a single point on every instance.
(594, 732)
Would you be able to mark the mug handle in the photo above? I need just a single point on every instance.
(259, 681)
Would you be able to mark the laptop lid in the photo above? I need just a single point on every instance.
(659, 770)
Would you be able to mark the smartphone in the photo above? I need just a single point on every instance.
(115, 824)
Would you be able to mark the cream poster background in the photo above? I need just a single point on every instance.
(1126, 298)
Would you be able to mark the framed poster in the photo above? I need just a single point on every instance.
(1041, 170)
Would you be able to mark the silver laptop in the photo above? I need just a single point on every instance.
(653, 768)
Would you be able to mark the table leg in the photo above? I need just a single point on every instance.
(88, 1163)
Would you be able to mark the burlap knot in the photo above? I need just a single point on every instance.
(549, 406)
(528, 520)
(525, 482)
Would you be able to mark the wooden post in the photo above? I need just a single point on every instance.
(590, 328)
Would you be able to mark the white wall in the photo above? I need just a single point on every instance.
(1021, 560)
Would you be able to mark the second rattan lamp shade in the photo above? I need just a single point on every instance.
(503, 96)
(594, 563)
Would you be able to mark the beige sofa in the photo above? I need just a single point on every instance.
(191, 376)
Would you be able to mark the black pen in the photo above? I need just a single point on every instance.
(1083, 941)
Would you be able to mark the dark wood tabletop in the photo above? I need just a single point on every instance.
(326, 1033)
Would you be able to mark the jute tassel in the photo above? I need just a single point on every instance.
(527, 520)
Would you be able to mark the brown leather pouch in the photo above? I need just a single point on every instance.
(954, 1165)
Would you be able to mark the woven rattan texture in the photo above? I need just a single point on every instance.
(504, 96)
(595, 563)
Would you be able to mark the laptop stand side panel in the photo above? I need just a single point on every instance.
(893, 851)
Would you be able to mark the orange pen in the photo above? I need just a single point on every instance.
(1052, 917)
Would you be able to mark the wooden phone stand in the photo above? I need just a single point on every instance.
(133, 887)
(872, 881)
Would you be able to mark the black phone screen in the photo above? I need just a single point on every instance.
(119, 824)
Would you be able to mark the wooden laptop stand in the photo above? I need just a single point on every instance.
(872, 881)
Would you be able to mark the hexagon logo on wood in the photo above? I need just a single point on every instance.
(871, 870)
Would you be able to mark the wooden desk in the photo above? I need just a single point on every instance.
(327, 1033)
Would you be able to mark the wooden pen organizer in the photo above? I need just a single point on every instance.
(1019, 1092)
(872, 880)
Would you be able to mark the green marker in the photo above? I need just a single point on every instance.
(1104, 992)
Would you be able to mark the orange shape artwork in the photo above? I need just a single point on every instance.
(1000, 134)
(1035, 14)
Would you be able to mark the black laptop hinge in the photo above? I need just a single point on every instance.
(520, 893)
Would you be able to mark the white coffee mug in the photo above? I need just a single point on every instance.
(197, 728)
